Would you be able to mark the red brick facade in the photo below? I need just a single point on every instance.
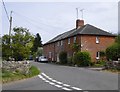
(87, 43)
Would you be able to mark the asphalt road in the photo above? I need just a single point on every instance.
(57, 77)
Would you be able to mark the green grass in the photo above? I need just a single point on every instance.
(8, 76)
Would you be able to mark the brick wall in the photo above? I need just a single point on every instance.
(87, 43)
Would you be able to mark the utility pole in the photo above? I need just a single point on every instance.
(10, 21)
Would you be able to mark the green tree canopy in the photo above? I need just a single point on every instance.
(20, 45)
(36, 43)
(113, 51)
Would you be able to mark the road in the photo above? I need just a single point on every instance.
(57, 77)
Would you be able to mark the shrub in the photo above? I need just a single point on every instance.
(63, 57)
(113, 52)
(82, 59)
(70, 61)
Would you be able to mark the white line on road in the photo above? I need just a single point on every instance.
(58, 82)
(76, 88)
(66, 89)
(58, 86)
(66, 85)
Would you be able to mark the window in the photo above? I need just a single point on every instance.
(61, 42)
(98, 55)
(74, 40)
(68, 40)
(58, 44)
(50, 54)
(97, 39)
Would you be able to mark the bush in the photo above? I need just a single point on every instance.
(113, 52)
(82, 59)
(63, 57)
(70, 61)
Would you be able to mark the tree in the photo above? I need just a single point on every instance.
(36, 43)
(75, 47)
(113, 51)
(6, 51)
(117, 40)
(20, 45)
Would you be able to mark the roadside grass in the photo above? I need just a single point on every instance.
(8, 76)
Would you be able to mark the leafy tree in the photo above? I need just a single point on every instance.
(36, 43)
(117, 40)
(75, 47)
(20, 45)
(39, 51)
(113, 51)
(6, 50)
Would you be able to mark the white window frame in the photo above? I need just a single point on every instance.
(97, 39)
(68, 40)
(50, 54)
(75, 39)
(61, 42)
(98, 55)
(58, 43)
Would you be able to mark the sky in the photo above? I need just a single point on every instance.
(50, 19)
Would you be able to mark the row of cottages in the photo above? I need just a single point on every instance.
(89, 38)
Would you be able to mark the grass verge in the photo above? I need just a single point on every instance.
(8, 76)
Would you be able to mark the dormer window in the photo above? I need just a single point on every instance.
(97, 39)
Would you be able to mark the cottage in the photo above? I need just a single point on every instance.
(88, 37)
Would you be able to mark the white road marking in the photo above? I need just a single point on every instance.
(66, 85)
(51, 83)
(54, 80)
(76, 88)
(47, 81)
(58, 82)
(58, 86)
(66, 89)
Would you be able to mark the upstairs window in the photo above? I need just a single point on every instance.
(97, 39)
(58, 43)
(74, 40)
(61, 42)
(68, 40)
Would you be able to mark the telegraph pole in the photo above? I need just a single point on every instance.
(10, 21)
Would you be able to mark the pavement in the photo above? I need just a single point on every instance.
(58, 77)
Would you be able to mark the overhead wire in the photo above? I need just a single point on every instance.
(5, 10)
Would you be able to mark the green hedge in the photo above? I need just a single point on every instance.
(82, 59)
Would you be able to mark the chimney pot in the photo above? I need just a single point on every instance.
(79, 23)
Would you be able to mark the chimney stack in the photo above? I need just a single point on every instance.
(79, 23)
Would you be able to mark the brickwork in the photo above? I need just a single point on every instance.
(86, 42)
